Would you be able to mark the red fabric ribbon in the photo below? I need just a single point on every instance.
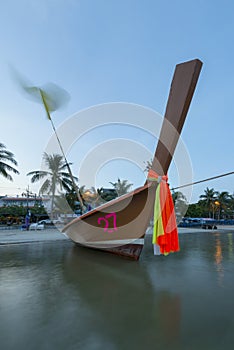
(165, 233)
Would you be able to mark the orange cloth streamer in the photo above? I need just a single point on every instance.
(165, 233)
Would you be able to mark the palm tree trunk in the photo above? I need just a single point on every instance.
(52, 201)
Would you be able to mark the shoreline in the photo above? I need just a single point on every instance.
(16, 236)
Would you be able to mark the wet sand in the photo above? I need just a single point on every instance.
(16, 236)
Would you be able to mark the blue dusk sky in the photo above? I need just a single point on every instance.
(103, 51)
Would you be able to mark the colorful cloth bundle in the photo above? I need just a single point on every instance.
(165, 234)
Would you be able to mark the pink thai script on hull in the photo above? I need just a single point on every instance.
(111, 216)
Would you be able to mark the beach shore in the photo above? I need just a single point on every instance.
(16, 236)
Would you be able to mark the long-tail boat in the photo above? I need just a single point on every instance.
(119, 226)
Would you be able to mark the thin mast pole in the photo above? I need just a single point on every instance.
(61, 148)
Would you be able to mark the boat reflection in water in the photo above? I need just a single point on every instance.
(121, 302)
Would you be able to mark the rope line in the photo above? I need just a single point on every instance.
(205, 180)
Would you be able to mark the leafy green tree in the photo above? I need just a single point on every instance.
(19, 212)
(230, 208)
(209, 198)
(194, 211)
(71, 198)
(121, 187)
(7, 157)
(55, 177)
(106, 195)
(223, 199)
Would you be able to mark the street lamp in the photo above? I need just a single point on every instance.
(215, 207)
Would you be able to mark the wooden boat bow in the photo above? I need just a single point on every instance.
(119, 226)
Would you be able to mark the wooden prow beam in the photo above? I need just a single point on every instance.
(182, 88)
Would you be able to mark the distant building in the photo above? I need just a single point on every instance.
(25, 202)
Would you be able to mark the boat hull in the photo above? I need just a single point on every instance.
(127, 218)
(129, 251)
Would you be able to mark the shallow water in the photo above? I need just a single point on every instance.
(58, 296)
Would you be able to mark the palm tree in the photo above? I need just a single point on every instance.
(5, 158)
(121, 187)
(55, 176)
(223, 198)
(231, 205)
(209, 198)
